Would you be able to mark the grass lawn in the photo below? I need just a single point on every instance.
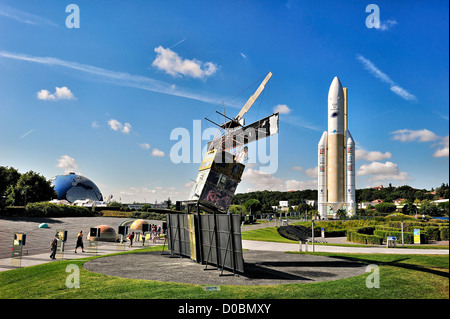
(401, 277)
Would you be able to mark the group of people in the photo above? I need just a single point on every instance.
(155, 232)
(54, 244)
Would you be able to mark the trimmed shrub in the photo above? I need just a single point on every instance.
(46, 209)
(443, 232)
(408, 237)
(356, 237)
(433, 232)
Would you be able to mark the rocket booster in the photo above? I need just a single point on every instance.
(336, 167)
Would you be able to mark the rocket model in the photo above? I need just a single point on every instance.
(336, 158)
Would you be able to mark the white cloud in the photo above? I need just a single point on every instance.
(297, 168)
(368, 65)
(387, 24)
(117, 126)
(94, 124)
(123, 79)
(382, 171)
(282, 109)
(371, 156)
(24, 17)
(406, 135)
(145, 146)
(61, 93)
(444, 149)
(262, 181)
(402, 93)
(311, 172)
(158, 153)
(151, 194)
(170, 62)
(27, 133)
(67, 163)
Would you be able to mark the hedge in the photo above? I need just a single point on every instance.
(355, 237)
(444, 232)
(408, 237)
(45, 209)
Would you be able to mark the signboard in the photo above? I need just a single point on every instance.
(416, 236)
(18, 243)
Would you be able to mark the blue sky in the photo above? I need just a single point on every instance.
(104, 98)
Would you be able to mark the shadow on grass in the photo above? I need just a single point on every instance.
(398, 263)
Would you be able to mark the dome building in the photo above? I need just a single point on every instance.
(72, 187)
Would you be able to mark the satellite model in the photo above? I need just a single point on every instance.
(221, 169)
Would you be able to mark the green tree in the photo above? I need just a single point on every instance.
(31, 187)
(252, 206)
(443, 207)
(429, 208)
(8, 177)
(385, 208)
(409, 209)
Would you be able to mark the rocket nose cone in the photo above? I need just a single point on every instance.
(336, 82)
(335, 87)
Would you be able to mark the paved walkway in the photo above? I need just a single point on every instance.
(109, 248)
(271, 246)
(103, 248)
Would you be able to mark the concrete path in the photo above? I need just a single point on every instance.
(271, 246)
(37, 259)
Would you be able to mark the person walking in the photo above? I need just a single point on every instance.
(54, 246)
(131, 237)
(79, 242)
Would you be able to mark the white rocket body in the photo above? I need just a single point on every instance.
(336, 167)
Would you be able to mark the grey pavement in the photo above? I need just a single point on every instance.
(37, 251)
(273, 246)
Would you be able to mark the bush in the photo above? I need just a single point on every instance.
(408, 237)
(433, 232)
(356, 237)
(46, 209)
(443, 232)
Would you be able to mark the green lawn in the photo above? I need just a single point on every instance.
(401, 277)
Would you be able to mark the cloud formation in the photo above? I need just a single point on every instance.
(170, 62)
(382, 171)
(371, 156)
(61, 93)
(383, 77)
(406, 135)
(122, 78)
(67, 163)
(422, 136)
(24, 17)
(282, 109)
(443, 149)
(262, 181)
(118, 126)
(158, 153)
(387, 25)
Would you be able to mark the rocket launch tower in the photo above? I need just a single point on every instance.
(336, 158)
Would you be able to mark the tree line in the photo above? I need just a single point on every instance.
(17, 189)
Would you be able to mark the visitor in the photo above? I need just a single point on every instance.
(54, 246)
(79, 242)
(131, 237)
